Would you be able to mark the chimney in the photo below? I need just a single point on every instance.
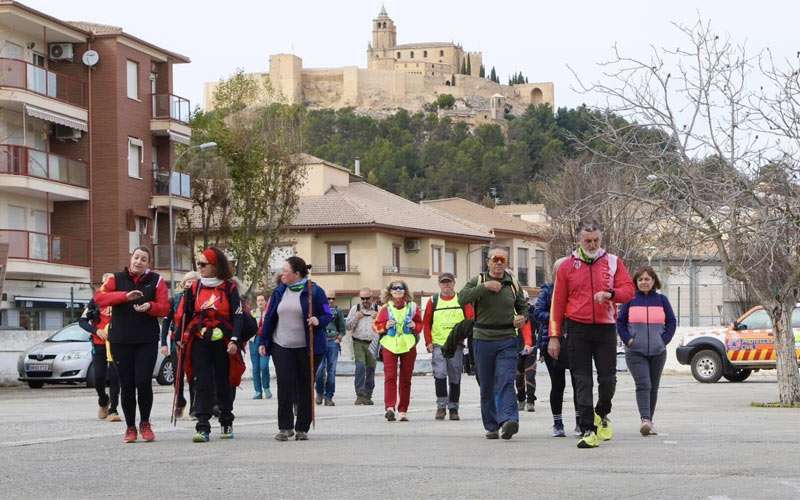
(358, 166)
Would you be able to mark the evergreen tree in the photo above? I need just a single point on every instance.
(463, 67)
(493, 76)
(469, 67)
(482, 73)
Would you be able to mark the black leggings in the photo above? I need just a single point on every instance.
(294, 386)
(557, 368)
(105, 373)
(135, 364)
(210, 371)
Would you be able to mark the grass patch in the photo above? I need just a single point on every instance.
(776, 404)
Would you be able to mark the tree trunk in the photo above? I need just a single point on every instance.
(786, 357)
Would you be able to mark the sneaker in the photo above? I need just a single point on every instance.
(359, 400)
(318, 399)
(589, 440)
(389, 414)
(102, 412)
(368, 401)
(521, 405)
(301, 436)
(605, 431)
(529, 406)
(440, 414)
(508, 429)
(201, 437)
(257, 395)
(577, 432)
(113, 416)
(558, 431)
(284, 435)
(647, 427)
(329, 402)
(227, 432)
(147, 431)
(215, 411)
(454, 414)
(130, 435)
(492, 435)
(403, 417)
(267, 394)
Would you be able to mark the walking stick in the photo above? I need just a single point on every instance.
(179, 369)
(311, 351)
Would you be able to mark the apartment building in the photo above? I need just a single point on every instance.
(88, 131)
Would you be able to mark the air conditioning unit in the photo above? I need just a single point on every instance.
(412, 245)
(64, 133)
(60, 52)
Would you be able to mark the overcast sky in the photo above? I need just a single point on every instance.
(538, 38)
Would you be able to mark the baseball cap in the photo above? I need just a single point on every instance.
(447, 276)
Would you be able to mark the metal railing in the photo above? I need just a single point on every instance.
(334, 268)
(172, 107)
(407, 271)
(181, 184)
(44, 247)
(183, 257)
(23, 75)
(22, 160)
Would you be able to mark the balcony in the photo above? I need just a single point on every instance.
(27, 169)
(170, 117)
(42, 88)
(178, 189)
(406, 271)
(45, 254)
(334, 269)
(183, 258)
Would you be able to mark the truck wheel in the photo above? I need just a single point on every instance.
(707, 366)
(738, 375)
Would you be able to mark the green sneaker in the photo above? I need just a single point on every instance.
(227, 432)
(201, 437)
(589, 440)
(604, 430)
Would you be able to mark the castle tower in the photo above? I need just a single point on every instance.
(384, 32)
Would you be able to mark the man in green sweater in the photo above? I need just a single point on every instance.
(500, 310)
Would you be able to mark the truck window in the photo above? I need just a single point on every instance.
(758, 320)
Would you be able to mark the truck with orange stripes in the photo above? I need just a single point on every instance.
(734, 352)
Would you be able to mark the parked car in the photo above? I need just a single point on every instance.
(747, 345)
(66, 357)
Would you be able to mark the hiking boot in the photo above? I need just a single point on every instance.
(284, 435)
(257, 395)
(440, 414)
(201, 437)
(215, 411)
(130, 435)
(267, 394)
(605, 431)
(529, 406)
(508, 429)
(301, 436)
(589, 440)
(359, 401)
(558, 431)
(403, 417)
(102, 412)
(368, 401)
(647, 427)
(227, 432)
(113, 416)
(329, 402)
(389, 414)
(318, 399)
(492, 435)
(146, 431)
(454, 414)
(521, 405)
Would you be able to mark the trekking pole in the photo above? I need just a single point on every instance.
(311, 351)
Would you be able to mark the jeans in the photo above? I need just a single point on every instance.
(210, 370)
(294, 387)
(646, 373)
(586, 343)
(495, 361)
(365, 369)
(260, 367)
(135, 364)
(326, 373)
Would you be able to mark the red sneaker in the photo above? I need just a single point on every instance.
(130, 435)
(147, 432)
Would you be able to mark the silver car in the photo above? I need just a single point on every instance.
(66, 357)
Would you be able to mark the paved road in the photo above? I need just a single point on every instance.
(712, 445)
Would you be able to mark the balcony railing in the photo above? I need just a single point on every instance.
(21, 160)
(407, 271)
(181, 184)
(334, 268)
(32, 245)
(172, 107)
(183, 257)
(23, 75)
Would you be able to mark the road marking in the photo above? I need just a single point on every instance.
(670, 442)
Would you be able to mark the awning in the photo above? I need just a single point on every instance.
(48, 302)
(57, 118)
(179, 138)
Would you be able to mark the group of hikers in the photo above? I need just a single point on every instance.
(489, 324)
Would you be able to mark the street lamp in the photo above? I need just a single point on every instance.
(200, 147)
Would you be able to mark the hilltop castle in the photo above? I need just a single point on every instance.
(405, 76)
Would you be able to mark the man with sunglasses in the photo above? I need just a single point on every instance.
(586, 287)
(500, 310)
(359, 323)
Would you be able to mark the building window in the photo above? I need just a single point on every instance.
(338, 258)
(10, 50)
(436, 260)
(396, 257)
(135, 157)
(540, 275)
(450, 259)
(412, 54)
(398, 55)
(31, 319)
(136, 236)
(133, 80)
(38, 59)
(522, 266)
(484, 259)
(441, 54)
(424, 53)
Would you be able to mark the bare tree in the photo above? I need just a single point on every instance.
(211, 197)
(711, 143)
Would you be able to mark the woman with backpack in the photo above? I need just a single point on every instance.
(138, 297)
(211, 313)
(398, 323)
(293, 332)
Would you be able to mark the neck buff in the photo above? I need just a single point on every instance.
(298, 286)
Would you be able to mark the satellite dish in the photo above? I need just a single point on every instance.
(90, 58)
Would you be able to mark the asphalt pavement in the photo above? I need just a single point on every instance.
(712, 444)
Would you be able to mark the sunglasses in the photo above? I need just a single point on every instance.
(201, 265)
(365, 298)
(499, 259)
(445, 281)
(331, 300)
(398, 289)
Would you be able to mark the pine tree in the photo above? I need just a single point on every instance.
(482, 73)
(469, 66)
(493, 76)
(463, 67)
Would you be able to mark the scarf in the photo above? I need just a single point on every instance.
(298, 286)
(211, 282)
(585, 257)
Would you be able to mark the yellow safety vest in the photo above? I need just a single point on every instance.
(400, 342)
(448, 313)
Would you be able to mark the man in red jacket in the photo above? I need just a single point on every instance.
(586, 288)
